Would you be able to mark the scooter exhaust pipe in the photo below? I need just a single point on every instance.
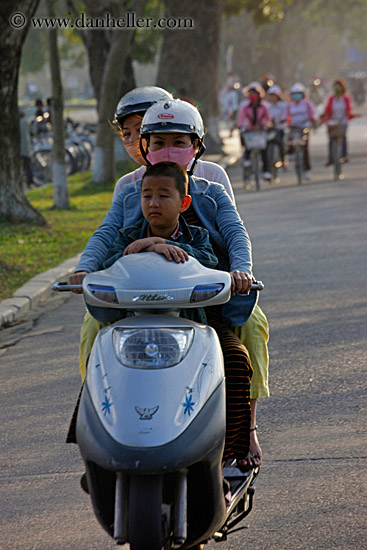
(120, 526)
(180, 510)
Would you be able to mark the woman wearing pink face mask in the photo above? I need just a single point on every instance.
(129, 114)
(255, 115)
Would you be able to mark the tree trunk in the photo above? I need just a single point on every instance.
(14, 207)
(104, 161)
(107, 52)
(60, 182)
(190, 56)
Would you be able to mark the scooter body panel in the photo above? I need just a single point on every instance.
(157, 404)
(166, 419)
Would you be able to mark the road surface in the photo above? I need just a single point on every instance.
(309, 247)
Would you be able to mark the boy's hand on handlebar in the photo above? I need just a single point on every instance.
(241, 281)
(77, 279)
(140, 244)
(171, 252)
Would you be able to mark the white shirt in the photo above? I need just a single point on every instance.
(277, 113)
(203, 169)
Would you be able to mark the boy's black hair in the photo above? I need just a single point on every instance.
(170, 170)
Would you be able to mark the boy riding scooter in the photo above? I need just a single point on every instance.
(163, 198)
(152, 453)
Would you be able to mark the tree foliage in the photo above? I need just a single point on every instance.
(34, 52)
(347, 18)
(262, 11)
(147, 41)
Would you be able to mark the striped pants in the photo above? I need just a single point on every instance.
(238, 372)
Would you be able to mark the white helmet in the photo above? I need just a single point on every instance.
(276, 90)
(174, 115)
(255, 86)
(139, 100)
(297, 88)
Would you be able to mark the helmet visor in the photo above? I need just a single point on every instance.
(127, 110)
(167, 128)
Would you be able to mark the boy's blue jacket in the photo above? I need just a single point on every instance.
(218, 215)
(195, 240)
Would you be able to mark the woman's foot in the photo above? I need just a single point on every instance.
(254, 457)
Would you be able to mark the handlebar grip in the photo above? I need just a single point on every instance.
(257, 285)
(64, 287)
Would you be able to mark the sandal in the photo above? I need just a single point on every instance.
(246, 467)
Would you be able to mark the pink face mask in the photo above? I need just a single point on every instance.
(173, 154)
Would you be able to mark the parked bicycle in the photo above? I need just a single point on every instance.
(79, 146)
(296, 141)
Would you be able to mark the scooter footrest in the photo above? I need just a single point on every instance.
(235, 473)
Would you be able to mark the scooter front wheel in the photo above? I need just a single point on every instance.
(145, 513)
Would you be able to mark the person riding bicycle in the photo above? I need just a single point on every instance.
(338, 110)
(300, 113)
(277, 108)
(255, 116)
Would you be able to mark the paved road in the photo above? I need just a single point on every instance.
(310, 250)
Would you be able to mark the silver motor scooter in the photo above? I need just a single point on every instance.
(151, 420)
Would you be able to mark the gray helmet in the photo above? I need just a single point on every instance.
(139, 100)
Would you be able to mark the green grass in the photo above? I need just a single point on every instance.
(27, 250)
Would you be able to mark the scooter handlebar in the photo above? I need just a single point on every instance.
(64, 287)
(257, 285)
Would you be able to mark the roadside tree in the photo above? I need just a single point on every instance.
(14, 206)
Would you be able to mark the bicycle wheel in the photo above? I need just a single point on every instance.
(274, 161)
(256, 168)
(42, 165)
(246, 173)
(299, 164)
(337, 158)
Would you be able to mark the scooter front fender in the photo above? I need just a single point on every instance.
(203, 438)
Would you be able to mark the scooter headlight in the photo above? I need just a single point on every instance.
(151, 348)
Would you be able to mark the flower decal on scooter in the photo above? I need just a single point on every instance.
(106, 406)
(188, 404)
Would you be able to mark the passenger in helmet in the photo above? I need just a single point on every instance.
(129, 114)
(255, 331)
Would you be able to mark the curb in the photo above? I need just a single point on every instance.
(33, 291)
(39, 287)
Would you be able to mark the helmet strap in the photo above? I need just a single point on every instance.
(196, 158)
(143, 151)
